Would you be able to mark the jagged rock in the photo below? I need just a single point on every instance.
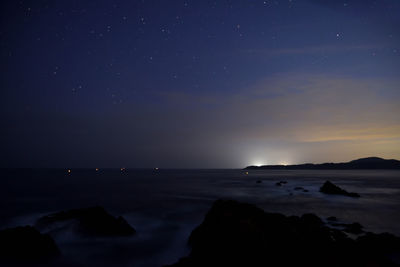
(311, 220)
(354, 228)
(330, 188)
(239, 234)
(384, 243)
(94, 221)
(26, 245)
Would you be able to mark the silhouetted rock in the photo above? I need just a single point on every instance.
(240, 234)
(364, 163)
(258, 181)
(330, 188)
(311, 220)
(26, 245)
(94, 221)
(281, 183)
(384, 243)
(354, 228)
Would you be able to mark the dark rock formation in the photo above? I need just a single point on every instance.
(258, 181)
(94, 221)
(352, 228)
(380, 244)
(281, 183)
(238, 234)
(330, 188)
(25, 245)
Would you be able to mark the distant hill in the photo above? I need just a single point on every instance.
(358, 164)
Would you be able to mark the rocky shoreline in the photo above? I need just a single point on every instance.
(232, 234)
(241, 234)
(28, 245)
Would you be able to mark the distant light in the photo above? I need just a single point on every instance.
(156, 169)
(122, 169)
(258, 163)
(247, 173)
(69, 171)
(97, 169)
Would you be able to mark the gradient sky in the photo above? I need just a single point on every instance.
(198, 84)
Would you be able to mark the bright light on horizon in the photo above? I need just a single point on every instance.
(258, 163)
(262, 163)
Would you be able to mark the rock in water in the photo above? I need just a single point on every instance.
(330, 188)
(280, 183)
(94, 221)
(26, 245)
(239, 234)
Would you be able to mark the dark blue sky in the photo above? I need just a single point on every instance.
(198, 83)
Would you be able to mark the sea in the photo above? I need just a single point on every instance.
(165, 205)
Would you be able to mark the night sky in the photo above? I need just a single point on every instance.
(198, 84)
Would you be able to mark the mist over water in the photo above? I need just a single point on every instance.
(164, 206)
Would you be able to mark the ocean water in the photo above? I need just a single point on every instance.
(164, 206)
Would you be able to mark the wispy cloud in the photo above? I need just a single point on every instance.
(330, 111)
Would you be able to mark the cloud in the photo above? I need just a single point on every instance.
(290, 118)
(283, 112)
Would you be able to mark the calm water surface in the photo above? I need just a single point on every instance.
(165, 205)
